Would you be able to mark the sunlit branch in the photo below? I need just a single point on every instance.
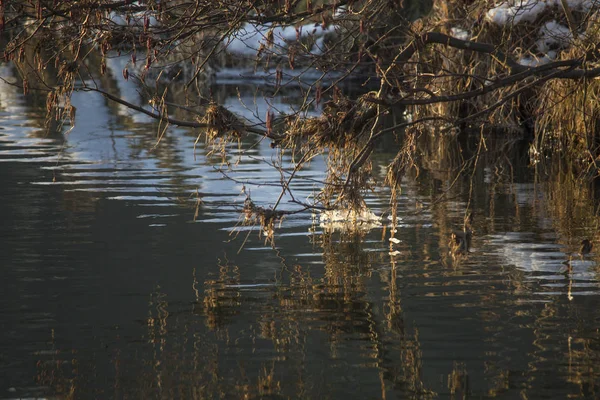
(173, 121)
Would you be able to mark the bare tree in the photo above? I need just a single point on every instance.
(523, 66)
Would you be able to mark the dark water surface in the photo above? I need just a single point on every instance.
(110, 289)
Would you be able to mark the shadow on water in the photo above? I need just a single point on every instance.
(111, 288)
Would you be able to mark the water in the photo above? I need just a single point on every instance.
(112, 288)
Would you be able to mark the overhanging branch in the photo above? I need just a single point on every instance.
(173, 121)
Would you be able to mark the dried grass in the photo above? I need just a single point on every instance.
(569, 110)
(343, 130)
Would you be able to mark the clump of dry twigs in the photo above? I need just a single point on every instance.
(222, 123)
(343, 132)
(265, 217)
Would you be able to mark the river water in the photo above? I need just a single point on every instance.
(125, 273)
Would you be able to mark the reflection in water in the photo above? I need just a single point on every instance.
(113, 288)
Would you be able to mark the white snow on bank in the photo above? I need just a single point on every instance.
(521, 10)
(135, 19)
(248, 40)
(516, 11)
(553, 35)
(580, 5)
(532, 61)
(460, 33)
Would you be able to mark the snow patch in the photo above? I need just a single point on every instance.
(533, 61)
(460, 33)
(135, 19)
(516, 11)
(251, 37)
(552, 36)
